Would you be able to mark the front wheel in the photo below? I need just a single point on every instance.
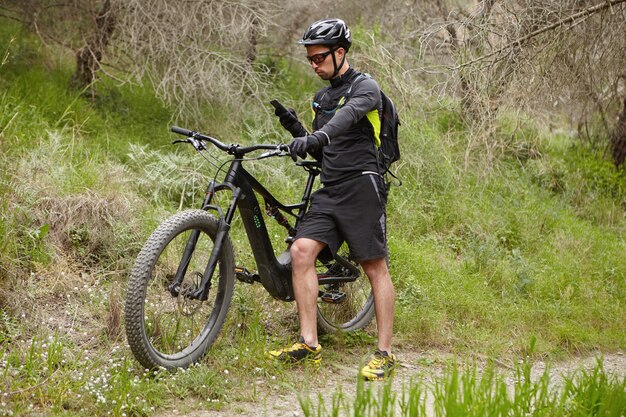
(344, 306)
(170, 328)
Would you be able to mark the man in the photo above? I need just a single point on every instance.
(350, 206)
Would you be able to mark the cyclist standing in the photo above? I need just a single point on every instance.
(350, 206)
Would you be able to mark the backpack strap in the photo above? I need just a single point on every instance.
(382, 170)
(382, 167)
(342, 101)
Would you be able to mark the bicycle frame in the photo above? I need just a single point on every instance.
(274, 273)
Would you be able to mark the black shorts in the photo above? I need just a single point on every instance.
(352, 211)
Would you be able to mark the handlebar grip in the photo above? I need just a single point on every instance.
(181, 131)
(278, 106)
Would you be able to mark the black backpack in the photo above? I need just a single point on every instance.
(389, 151)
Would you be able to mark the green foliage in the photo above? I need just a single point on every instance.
(468, 391)
(594, 393)
(44, 374)
(475, 255)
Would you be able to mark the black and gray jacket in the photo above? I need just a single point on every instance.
(347, 127)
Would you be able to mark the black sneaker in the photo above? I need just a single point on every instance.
(380, 366)
(298, 352)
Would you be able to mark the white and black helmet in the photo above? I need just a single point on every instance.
(327, 32)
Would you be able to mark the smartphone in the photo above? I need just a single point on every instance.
(278, 106)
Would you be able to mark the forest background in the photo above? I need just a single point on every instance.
(510, 225)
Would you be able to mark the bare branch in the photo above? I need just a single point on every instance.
(520, 41)
(196, 52)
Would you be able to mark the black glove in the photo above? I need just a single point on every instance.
(298, 147)
(289, 120)
(312, 143)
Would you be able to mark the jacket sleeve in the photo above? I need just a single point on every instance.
(364, 98)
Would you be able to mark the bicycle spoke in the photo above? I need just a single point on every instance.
(177, 321)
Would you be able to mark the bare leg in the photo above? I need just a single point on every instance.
(384, 299)
(305, 287)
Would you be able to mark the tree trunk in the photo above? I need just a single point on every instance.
(618, 139)
(88, 58)
(475, 107)
(252, 42)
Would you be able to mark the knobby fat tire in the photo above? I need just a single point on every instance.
(141, 273)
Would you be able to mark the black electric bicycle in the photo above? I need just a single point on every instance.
(183, 279)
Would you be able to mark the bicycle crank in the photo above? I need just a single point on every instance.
(333, 296)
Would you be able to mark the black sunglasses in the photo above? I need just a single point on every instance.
(319, 58)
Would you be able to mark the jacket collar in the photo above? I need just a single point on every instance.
(344, 78)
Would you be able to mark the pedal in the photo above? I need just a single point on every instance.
(246, 276)
(333, 297)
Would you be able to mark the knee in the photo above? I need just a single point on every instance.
(302, 253)
(377, 270)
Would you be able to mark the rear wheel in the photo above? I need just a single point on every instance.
(170, 328)
(344, 306)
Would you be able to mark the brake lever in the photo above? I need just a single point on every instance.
(198, 144)
(268, 154)
(281, 150)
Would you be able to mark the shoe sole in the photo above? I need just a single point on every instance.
(290, 361)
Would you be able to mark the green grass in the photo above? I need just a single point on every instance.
(485, 253)
(476, 392)
(477, 255)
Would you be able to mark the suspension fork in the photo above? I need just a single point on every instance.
(201, 293)
(175, 286)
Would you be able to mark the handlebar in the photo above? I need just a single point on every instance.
(196, 140)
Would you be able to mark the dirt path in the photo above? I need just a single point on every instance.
(281, 400)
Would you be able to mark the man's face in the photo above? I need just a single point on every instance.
(321, 60)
